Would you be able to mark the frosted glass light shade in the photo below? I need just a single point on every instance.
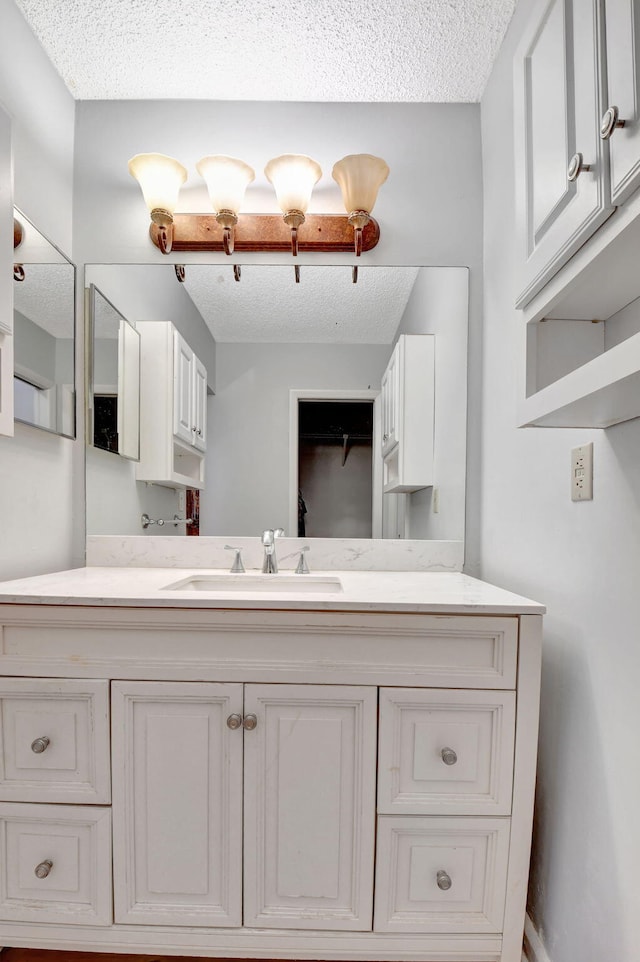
(160, 178)
(293, 177)
(360, 176)
(227, 180)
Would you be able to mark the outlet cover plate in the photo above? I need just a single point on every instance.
(582, 472)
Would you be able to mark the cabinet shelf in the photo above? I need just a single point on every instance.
(600, 385)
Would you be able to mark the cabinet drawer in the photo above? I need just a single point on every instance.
(441, 874)
(55, 864)
(54, 741)
(445, 752)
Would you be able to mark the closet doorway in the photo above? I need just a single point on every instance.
(335, 480)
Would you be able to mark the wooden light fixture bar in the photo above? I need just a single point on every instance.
(324, 233)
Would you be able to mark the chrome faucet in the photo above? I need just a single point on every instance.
(270, 563)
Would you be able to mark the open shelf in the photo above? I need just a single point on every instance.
(582, 337)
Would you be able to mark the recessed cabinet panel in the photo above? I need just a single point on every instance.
(558, 86)
(623, 95)
(445, 752)
(182, 389)
(55, 864)
(441, 874)
(177, 803)
(309, 807)
(54, 741)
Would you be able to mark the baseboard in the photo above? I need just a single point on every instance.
(534, 950)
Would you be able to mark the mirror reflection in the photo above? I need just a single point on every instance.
(113, 404)
(44, 332)
(310, 407)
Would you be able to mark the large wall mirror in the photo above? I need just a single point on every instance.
(266, 344)
(44, 332)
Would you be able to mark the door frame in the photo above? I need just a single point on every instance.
(334, 394)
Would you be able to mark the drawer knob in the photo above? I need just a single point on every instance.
(43, 869)
(576, 167)
(449, 757)
(610, 120)
(234, 722)
(250, 722)
(443, 880)
(40, 745)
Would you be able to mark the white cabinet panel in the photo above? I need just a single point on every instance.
(441, 874)
(6, 276)
(445, 752)
(54, 741)
(55, 864)
(199, 405)
(183, 360)
(557, 97)
(623, 95)
(309, 806)
(177, 803)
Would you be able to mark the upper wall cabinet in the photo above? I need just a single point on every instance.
(562, 174)
(577, 88)
(173, 407)
(407, 399)
(6, 281)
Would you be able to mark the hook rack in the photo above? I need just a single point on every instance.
(175, 521)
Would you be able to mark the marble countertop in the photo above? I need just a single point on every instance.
(147, 587)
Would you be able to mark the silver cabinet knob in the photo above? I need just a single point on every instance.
(250, 722)
(40, 745)
(449, 757)
(443, 880)
(234, 722)
(43, 869)
(610, 120)
(576, 167)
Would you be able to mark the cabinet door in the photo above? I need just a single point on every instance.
(309, 806)
(623, 89)
(183, 362)
(177, 803)
(6, 278)
(390, 387)
(199, 404)
(557, 101)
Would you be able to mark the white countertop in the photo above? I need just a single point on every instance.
(408, 591)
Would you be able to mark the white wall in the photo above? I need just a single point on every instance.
(583, 561)
(41, 476)
(247, 466)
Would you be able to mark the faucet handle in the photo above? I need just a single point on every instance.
(303, 567)
(237, 567)
(278, 532)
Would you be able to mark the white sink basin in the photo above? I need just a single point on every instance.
(284, 584)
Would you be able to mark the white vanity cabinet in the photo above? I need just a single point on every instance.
(173, 408)
(407, 399)
(286, 783)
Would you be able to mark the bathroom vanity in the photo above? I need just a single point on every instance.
(338, 768)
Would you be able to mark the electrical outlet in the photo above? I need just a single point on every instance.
(582, 473)
(182, 500)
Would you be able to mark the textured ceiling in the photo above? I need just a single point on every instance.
(425, 51)
(46, 297)
(326, 307)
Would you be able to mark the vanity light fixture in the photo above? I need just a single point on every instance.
(293, 177)
(18, 234)
(160, 178)
(359, 177)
